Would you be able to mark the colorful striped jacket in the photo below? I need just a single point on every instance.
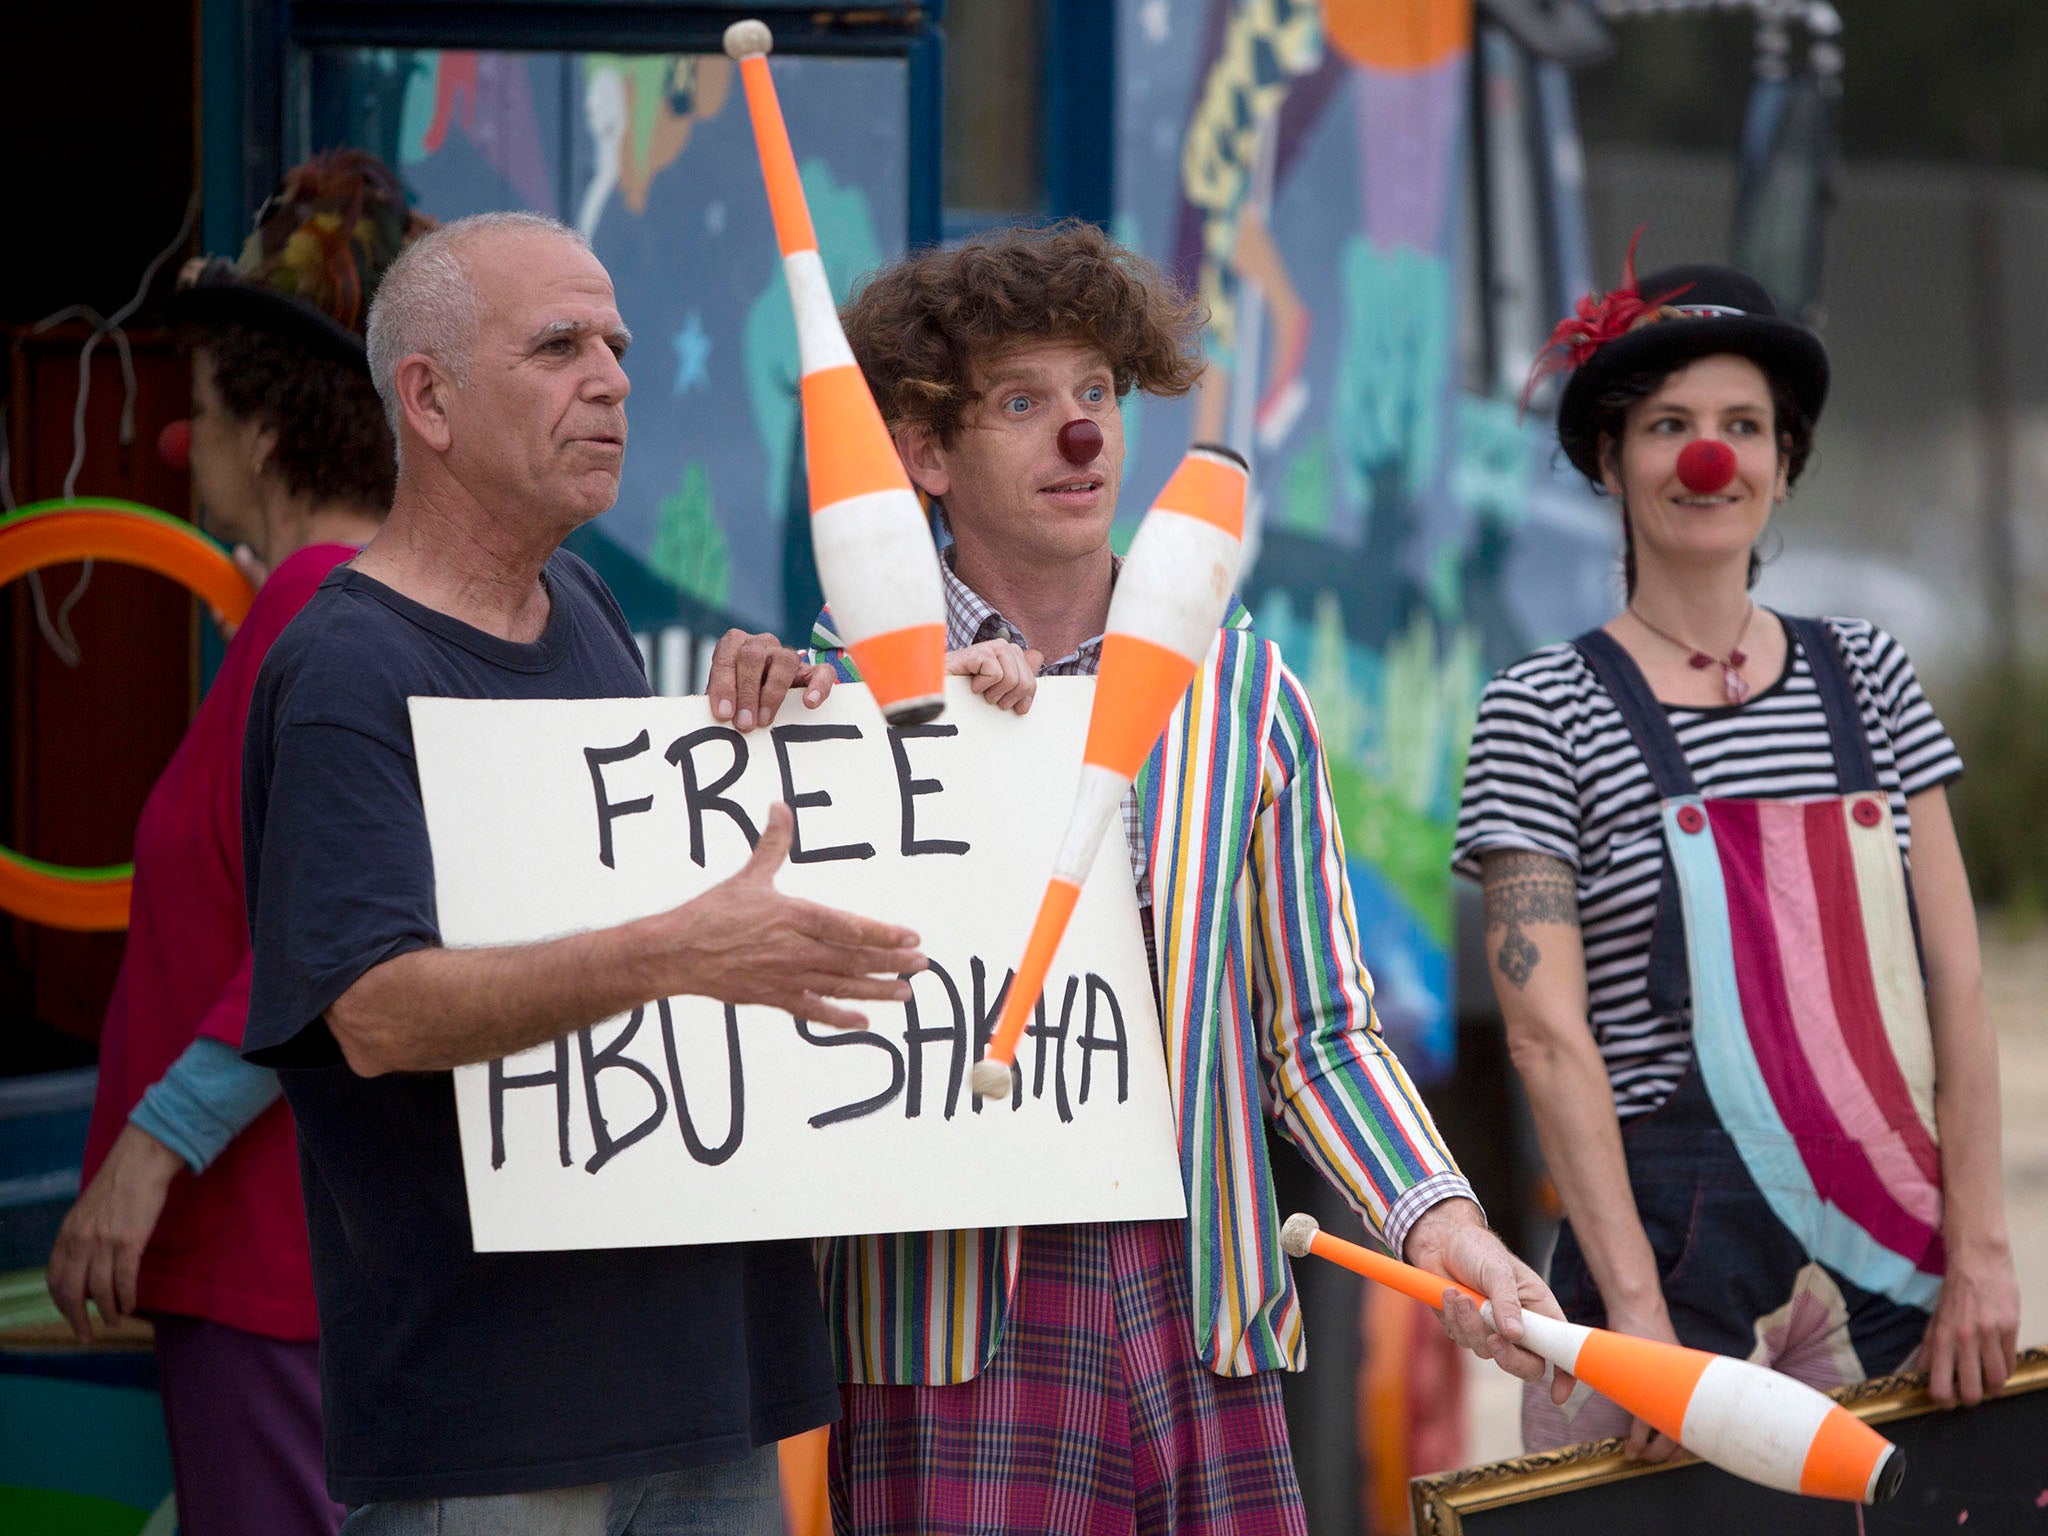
(1267, 1010)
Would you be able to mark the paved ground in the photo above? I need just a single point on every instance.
(2016, 991)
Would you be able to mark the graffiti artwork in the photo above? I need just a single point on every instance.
(1301, 163)
(650, 156)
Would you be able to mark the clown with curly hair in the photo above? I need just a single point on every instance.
(1124, 1376)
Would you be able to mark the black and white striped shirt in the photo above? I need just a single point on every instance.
(1554, 770)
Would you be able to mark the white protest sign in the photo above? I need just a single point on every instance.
(689, 1122)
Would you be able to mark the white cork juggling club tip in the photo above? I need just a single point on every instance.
(1297, 1232)
(744, 39)
(991, 1078)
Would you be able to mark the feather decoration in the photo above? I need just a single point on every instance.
(329, 230)
(1596, 320)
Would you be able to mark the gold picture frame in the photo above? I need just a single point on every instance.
(1440, 1502)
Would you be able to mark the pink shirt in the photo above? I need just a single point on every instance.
(231, 1244)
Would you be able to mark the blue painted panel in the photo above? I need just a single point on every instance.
(74, 1437)
(43, 1119)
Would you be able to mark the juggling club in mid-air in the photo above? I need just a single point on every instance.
(876, 561)
(1746, 1419)
(1170, 598)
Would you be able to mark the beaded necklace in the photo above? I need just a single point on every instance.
(1733, 684)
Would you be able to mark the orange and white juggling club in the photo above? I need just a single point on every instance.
(1746, 1419)
(876, 562)
(1170, 598)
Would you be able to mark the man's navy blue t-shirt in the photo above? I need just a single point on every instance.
(446, 1372)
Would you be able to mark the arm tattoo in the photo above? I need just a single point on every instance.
(1526, 888)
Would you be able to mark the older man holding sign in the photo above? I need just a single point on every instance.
(639, 1390)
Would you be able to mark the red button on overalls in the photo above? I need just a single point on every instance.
(1691, 818)
(1866, 813)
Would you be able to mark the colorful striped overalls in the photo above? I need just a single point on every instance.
(1790, 1187)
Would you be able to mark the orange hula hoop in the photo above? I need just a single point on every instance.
(52, 533)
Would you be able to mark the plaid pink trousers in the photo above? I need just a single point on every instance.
(1095, 1418)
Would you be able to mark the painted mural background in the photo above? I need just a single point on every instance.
(651, 157)
(1304, 164)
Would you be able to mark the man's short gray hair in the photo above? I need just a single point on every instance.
(427, 302)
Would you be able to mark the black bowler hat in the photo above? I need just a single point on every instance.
(321, 244)
(1670, 318)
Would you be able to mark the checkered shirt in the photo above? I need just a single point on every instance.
(970, 620)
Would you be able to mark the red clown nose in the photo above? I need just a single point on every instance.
(174, 445)
(1080, 441)
(1704, 466)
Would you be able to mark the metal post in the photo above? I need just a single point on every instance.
(1994, 407)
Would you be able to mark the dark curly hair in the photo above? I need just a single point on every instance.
(332, 441)
(920, 327)
(1793, 424)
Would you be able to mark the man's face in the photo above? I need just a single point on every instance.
(541, 422)
(1008, 492)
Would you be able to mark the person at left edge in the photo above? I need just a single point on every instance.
(191, 1215)
(630, 1392)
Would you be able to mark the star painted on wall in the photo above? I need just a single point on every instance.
(693, 351)
(1153, 17)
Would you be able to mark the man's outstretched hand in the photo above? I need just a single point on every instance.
(743, 941)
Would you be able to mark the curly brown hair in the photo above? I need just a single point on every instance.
(919, 328)
(332, 440)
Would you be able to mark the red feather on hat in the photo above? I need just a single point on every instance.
(1596, 320)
